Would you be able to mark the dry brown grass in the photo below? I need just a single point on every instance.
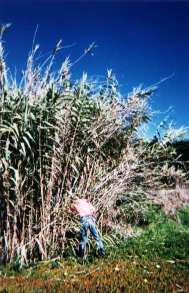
(171, 199)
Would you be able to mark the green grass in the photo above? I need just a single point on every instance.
(162, 237)
(183, 216)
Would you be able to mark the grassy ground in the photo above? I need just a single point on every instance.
(155, 261)
(134, 275)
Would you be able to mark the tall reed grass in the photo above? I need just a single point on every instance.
(58, 138)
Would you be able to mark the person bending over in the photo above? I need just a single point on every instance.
(86, 211)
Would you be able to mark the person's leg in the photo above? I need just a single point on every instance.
(97, 237)
(83, 237)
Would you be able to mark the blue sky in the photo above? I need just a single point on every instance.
(142, 42)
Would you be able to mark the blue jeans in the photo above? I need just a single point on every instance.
(88, 223)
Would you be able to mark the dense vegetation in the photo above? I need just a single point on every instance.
(60, 138)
